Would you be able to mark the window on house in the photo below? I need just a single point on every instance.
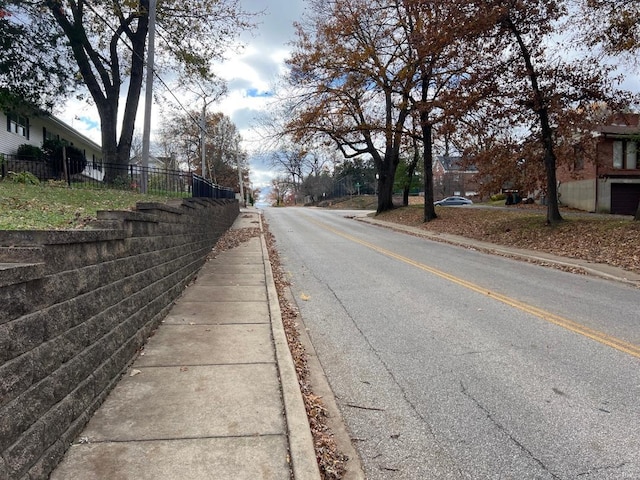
(632, 155)
(18, 124)
(48, 135)
(96, 165)
(625, 154)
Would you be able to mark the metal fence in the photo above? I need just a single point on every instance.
(204, 188)
(160, 181)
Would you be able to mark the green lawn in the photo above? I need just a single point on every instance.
(53, 206)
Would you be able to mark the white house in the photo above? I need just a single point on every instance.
(19, 129)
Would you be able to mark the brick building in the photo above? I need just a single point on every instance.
(608, 180)
(452, 177)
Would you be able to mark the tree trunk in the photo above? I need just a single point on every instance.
(136, 78)
(109, 146)
(542, 111)
(102, 76)
(385, 189)
(429, 208)
(637, 216)
(386, 168)
(553, 211)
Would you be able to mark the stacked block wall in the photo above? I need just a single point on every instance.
(76, 306)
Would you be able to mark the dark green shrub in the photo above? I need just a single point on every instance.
(121, 182)
(29, 152)
(76, 161)
(498, 197)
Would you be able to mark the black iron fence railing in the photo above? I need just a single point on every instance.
(161, 181)
(204, 188)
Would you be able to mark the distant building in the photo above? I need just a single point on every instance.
(609, 180)
(452, 177)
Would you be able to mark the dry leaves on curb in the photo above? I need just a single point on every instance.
(594, 238)
(330, 461)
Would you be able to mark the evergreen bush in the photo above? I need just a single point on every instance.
(76, 161)
(29, 152)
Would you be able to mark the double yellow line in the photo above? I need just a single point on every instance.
(575, 327)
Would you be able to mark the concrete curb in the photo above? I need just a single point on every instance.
(335, 420)
(303, 457)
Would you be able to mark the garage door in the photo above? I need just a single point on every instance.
(625, 198)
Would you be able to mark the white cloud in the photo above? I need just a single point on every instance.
(261, 178)
(252, 76)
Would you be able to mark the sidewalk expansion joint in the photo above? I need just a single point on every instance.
(180, 365)
(84, 441)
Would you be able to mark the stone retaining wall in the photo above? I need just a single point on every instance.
(76, 306)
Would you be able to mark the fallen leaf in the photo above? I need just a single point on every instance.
(330, 460)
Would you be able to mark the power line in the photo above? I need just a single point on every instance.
(155, 72)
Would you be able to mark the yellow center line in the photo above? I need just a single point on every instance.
(575, 327)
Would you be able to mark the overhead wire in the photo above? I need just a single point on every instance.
(155, 72)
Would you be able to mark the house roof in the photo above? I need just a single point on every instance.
(137, 160)
(71, 131)
(452, 163)
(621, 124)
(623, 130)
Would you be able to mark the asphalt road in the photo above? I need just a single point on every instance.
(448, 363)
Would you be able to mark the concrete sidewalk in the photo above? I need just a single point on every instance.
(214, 394)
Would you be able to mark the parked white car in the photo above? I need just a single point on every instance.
(453, 201)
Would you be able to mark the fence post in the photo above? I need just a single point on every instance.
(65, 166)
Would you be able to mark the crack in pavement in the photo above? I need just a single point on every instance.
(501, 427)
(600, 469)
(404, 393)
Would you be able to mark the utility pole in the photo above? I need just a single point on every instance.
(240, 181)
(203, 131)
(146, 133)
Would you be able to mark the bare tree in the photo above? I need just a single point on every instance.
(223, 154)
(290, 160)
(107, 40)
